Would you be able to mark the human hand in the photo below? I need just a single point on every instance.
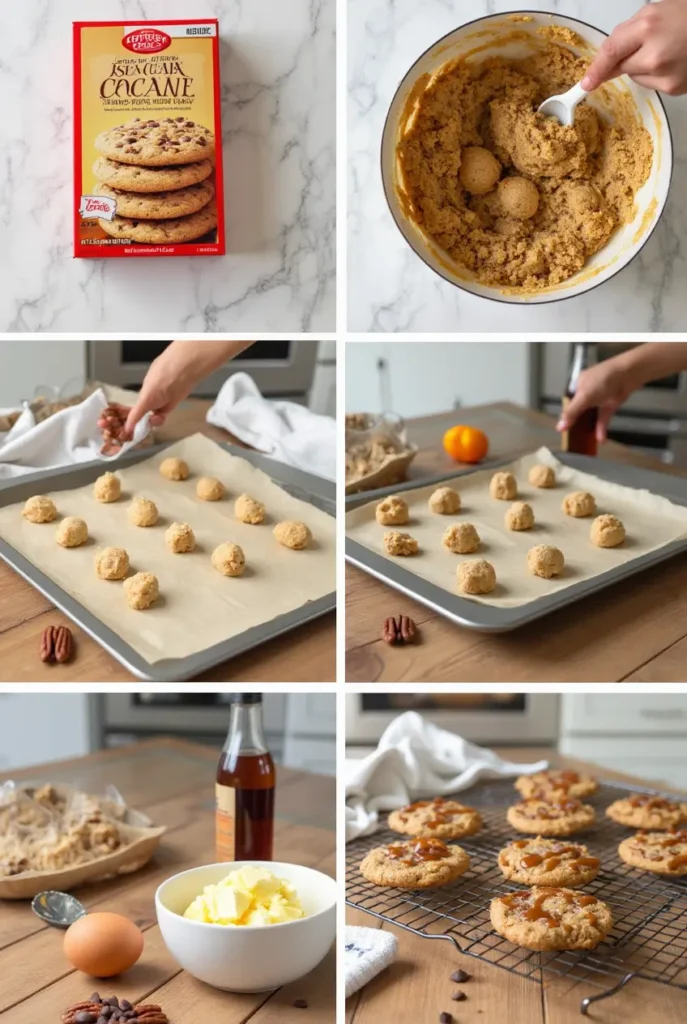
(651, 48)
(113, 426)
(606, 387)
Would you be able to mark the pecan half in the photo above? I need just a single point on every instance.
(91, 1012)
(398, 630)
(48, 644)
(64, 644)
(80, 1011)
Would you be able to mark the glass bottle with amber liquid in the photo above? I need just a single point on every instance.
(245, 786)
(581, 437)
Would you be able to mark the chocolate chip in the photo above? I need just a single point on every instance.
(301, 1004)
(189, 124)
(460, 976)
(103, 1020)
(446, 1018)
(112, 1001)
(202, 142)
(126, 1005)
(95, 998)
(154, 124)
(180, 119)
(132, 138)
(84, 1017)
(107, 1010)
(459, 997)
(186, 138)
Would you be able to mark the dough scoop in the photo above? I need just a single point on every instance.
(563, 107)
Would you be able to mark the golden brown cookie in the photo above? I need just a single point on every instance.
(556, 780)
(647, 812)
(663, 853)
(176, 230)
(440, 818)
(542, 476)
(548, 862)
(150, 142)
(392, 511)
(417, 864)
(39, 509)
(461, 538)
(545, 561)
(607, 532)
(520, 516)
(159, 205)
(503, 486)
(551, 918)
(401, 545)
(550, 817)
(150, 179)
(579, 504)
(445, 501)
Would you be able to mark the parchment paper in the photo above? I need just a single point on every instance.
(198, 607)
(651, 523)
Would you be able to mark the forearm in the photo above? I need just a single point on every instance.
(652, 361)
(196, 360)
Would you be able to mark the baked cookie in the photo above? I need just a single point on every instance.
(439, 818)
(547, 919)
(503, 486)
(157, 143)
(141, 590)
(39, 509)
(663, 853)
(548, 862)
(107, 488)
(112, 564)
(393, 511)
(142, 512)
(556, 781)
(520, 516)
(545, 561)
(248, 510)
(72, 532)
(461, 538)
(292, 534)
(561, 817)
(400, 544)
(476, 576)
(579, 504)
(159, 205)
(229, 559)
(607, 532)
(542, 476)
(445, 501)
(647, 812)
(163, 232)
(418, 864)
(209, 488)
(180, 538)
(130, 178)
(174, 469)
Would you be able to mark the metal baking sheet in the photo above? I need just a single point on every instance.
(313, 489)
(485, 619)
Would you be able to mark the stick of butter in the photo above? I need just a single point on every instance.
(248, 896)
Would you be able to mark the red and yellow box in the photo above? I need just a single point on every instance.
(147, 139)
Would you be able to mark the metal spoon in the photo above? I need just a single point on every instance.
(563, 107)
(58, 909)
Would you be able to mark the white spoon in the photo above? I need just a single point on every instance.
(563, 107)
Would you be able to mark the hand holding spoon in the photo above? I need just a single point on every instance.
(563, 107)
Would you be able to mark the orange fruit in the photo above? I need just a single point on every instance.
(466, 444)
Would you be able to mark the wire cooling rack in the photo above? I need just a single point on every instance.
(649, 937)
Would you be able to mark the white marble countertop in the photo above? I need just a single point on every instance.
(278, 86)
(389, 288)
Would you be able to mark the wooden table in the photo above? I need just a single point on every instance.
(416, 988)
(632, 632)
(307, 654)
(173, 782)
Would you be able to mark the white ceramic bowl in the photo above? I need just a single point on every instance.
(248, 959)
(494, 36)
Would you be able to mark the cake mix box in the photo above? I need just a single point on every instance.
(147, 139)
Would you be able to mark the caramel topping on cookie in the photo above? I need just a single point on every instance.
(530, 906)
(419, 852)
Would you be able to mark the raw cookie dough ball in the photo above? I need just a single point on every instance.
(174, 469)
(248, 510)
(180, 538)
(400, 544)
(462, 538)
(393, 511)
(107, 488)
(542, 476)
(40, 509)
(293, 534)
(607, 532)
(479, 170)
(142, 512)
(141, 590)
(545, 561)
(229, 559)
(209, 488)
(112, 564)
(519, 197)
(503, 486)
(72, 532)
(445, 501)
(476, 576)
(520, 516)
(579, 505)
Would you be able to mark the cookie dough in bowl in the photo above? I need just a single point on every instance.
(578, 203)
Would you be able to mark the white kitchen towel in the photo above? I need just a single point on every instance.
(415, 760)
(286, 431)
(70, 436)
(367, 952)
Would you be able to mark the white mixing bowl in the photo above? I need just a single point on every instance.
(496, 36)
(255, 959)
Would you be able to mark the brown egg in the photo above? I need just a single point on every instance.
(103, 945)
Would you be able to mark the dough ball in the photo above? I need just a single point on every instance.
(479, 170)
(112, 564)
(545, 561)
(248, 510)
(445, 501)
(584, 199)
(293, 534)
(393, 511)
(209, 488)
(143, 512)
(400, 544)
(229, 559)
(476, 576)
(607, 532)
(503, 486)
(542, 476)
(107, 488)
(519, 197)
(174, 469)
(72, 532)
(141, 590)
(520, 516)
(40, 509)
(579, 505)
(180, 538)
(461, 539)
